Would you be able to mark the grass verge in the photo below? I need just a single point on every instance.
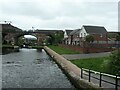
(7, 46)
(37, 47)
(62, 50)
(100, 64)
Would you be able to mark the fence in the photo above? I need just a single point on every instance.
(92, 74)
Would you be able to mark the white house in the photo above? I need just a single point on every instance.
(77, 36)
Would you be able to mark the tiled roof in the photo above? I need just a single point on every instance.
(68, 31)
(47, 31)
(95, 29)
(10, 27)
(75, 32)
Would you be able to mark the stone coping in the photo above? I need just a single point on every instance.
(72, 71)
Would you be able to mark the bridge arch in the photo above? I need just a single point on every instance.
(11, 34)
(18, 37)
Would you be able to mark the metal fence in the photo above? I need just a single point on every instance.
(91, 74)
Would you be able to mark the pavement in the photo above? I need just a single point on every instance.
(83, 56)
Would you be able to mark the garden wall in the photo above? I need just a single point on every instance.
(87, 49)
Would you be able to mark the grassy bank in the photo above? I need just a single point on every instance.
(7, 46)
(37, 47)
(62, 50)
(98, 64)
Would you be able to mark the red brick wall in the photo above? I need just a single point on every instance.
(86, 49)
(98, 37)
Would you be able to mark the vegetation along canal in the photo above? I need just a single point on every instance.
(30, 68)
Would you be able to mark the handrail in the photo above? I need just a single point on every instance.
(105, 74)
(100, 77)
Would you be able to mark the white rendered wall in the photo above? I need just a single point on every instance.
(65, 35)
(83, 32)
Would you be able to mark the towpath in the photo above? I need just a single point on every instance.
(82, 56)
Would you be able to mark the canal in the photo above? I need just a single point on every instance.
(30, 68)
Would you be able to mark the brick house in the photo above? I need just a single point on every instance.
(112, 39)
(98, 32)
(77, 36)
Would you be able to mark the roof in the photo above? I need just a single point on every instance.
(68, 31)
(9, 27)
(47, 31)
(95, 29)
(75, 32)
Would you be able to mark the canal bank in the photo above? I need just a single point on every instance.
(71, 70)
(6, 49)
(9, 49)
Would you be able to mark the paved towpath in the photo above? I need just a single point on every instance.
(82, 56)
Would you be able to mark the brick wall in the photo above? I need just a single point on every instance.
(87, 49)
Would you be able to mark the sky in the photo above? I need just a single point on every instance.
(60, 14)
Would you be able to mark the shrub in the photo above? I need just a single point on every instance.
(115, 62)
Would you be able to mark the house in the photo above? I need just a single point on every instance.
(112, 38)
(77, 36)
(66, 33)
(67, 39)
(98, 32)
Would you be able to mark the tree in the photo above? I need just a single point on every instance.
(50, 40)
(89, 39)
(115, 62)
(55, 38)
(117, 37)
(58, 37)
(20, 41)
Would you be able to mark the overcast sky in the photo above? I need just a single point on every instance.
(60, 14)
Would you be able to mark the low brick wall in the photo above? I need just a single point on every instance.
(71, 70)
(86, 49)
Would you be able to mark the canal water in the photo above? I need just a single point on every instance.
(30, 68)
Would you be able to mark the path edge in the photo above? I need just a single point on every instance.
(71, 71)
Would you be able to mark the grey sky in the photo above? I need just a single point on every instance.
(60, 14)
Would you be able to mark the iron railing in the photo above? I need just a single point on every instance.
(88, 72)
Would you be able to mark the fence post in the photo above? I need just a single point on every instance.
(81, 73)
(89, 75)
(100, 79)
(116, 83)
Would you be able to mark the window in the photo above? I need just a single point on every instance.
(81, 34)
(84, 34)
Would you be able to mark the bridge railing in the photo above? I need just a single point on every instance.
(92, 75)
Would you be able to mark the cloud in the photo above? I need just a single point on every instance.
(59, 14)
